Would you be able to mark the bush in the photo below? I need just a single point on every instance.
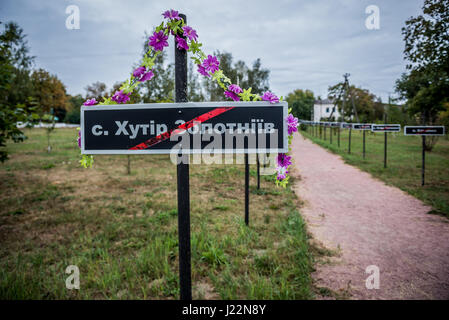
(73, 116)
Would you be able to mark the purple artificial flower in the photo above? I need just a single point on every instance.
(158, 41)
(235, 88)
(292, 123)
(284, 160)
(171, 14)
(79, 139)
(190, 33)
(181, 43)
(268, 96)
(120, 97)
(90, 102)
(282, 173)
(232, 95)
(203, 71)
(139, 72)
(147, 76)
(211, 64)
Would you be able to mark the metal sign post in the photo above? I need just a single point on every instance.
(349, 142)
(246, 190)
(364, 144)
(385, 150)
(423, 165)
(385, 128)
(185, 280)
(364, 127)
(338, 136)
(424, 131)
(330, 134)
(345, 125)
(182, 129)
(258, 172)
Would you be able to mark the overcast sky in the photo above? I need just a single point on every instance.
(306, 44)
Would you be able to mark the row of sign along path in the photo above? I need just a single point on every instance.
(408, 130)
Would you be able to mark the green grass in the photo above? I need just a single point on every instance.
(121, 230)
(403, 163)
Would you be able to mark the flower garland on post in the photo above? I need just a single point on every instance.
(208, 66)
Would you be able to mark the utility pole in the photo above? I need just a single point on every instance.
(348, 88)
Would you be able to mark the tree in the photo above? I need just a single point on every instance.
(444, 116)
(301, 102)
(369, 108)
(49, 93)
(73, 113)
(426, 85)
(256, 78)
(15, 62)
(194, 89)
(96, 90)
(135, 96)
(161, 88)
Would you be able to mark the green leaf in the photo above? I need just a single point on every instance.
(160, 27)
(107, 101)
(196, 60)
(194, 47)
(87, 161)
(246, 94)
(175, 26)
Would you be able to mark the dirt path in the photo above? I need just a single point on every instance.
(370, 223)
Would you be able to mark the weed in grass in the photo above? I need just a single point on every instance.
(214, 255)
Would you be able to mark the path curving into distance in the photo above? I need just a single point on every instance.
(369, 223)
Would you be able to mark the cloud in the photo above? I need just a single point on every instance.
(305, 44)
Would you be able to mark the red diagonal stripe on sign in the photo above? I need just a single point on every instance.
(186, 125)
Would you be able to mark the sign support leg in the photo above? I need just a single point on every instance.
(185, 280)
(331, 132)
(338, 136)
(385, 150)
(363, 144)
(423, 159)
(349, 144)
(258, 172)
(246, 190)
(324, 133)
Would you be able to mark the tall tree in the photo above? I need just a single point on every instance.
(213, 90)
(301, 102)
(194, 89)
(256, 77)
(161, 88)
(96, 90)
(426, 85)
(135, 96)
(15, 61)
(49, 93)
(73, 113)
(369, 108)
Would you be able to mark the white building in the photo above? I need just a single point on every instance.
(323, 109)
